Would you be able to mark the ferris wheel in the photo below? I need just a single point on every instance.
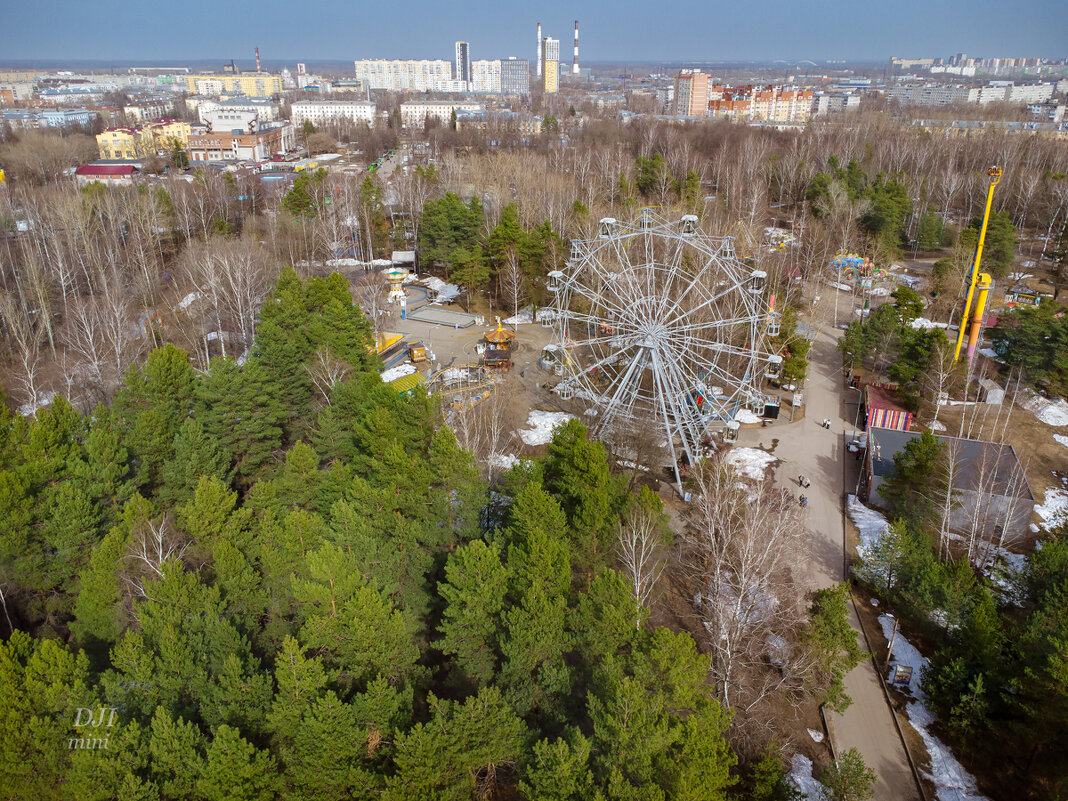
(662, 327)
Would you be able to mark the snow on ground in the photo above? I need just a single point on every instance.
(801, 777)
(524, 317)
(746, 416)
(923, 322)
(817, 736)
(870, 524)
(1052, 412)
(1019, 276)
(43, 399)
(453, 374)
(443, 293)
(843, 287)
(505, 460)
(401, 370)
(936, 426)
(188, 300)
(750, 462)
(952, 782)
(541, 425)
(1061, 439)
(1054, 511)
(880, 292)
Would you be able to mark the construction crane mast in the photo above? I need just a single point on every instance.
(982, 280)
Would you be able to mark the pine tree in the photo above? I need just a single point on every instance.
(234, 770)
(196, 455)
(473, 591)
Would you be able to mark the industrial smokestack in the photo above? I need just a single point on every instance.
(539, 49)
(574, 64)
(258, 58)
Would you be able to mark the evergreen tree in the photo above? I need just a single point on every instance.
(473, 591)
(196, 455)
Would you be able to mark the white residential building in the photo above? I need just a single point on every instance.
(415, 113)
(1030, 93)
(486, 77)
(265, 110)
(399, 75)
(318, 112)
(230, 119)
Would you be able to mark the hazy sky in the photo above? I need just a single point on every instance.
(871, 30)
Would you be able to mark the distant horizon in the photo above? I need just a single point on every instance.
(690, 31)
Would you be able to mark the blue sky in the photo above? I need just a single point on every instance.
(681, 30)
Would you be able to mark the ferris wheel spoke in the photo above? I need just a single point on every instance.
(621, 382)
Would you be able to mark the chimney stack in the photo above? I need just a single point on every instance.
(258, 58)
(574, 64)
(539, 49)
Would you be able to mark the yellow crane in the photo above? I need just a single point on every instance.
(982, 280)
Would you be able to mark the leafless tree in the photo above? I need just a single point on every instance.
(510, 282)
(152, 545)
(640, 554)
(738, 550)
(327, 371)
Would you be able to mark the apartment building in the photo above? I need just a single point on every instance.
(486, 77)
(253, 84)
(691, 93)
(832, 103)
(515, 76)
(550, 65)
(143, 141)
(463, 62)
(944, 95)
(415, 113)
(403, 75)
(760, 104)
(148, 110)
(258, 145)
(318, 112)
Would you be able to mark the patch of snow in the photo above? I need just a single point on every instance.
(1061, 439)
(189, 300)
(936, 426)
(544, 316)
(843, 287)
(923, 322)
(746, 416)
(541, 426)
(750, 462)
(871, 525)
(393, 373)
(505, 460)
(801, 777)
(443, 293)
(524, 317)
(880, 292)
(1052, 412)
(1054, 510)
(952, 782)
(817, 736)
(43, 399)
(1021, 276)
(874, 601)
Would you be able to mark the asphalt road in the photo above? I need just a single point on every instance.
(806, 448)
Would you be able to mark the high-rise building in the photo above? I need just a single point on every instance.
(515, 76)
(691, 93)
(486, 77)
(398, 75)
(463, 62)
(550, 67)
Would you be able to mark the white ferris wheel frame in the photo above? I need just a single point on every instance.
(657, 325)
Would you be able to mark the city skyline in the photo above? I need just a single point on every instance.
(612, 32)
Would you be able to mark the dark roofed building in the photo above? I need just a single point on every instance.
(991, 489)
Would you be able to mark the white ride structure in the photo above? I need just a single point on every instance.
(662, 329)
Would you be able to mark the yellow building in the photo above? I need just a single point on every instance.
(551, 73)
(253, 84)
(138, 143)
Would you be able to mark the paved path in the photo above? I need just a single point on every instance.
(805, 448)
